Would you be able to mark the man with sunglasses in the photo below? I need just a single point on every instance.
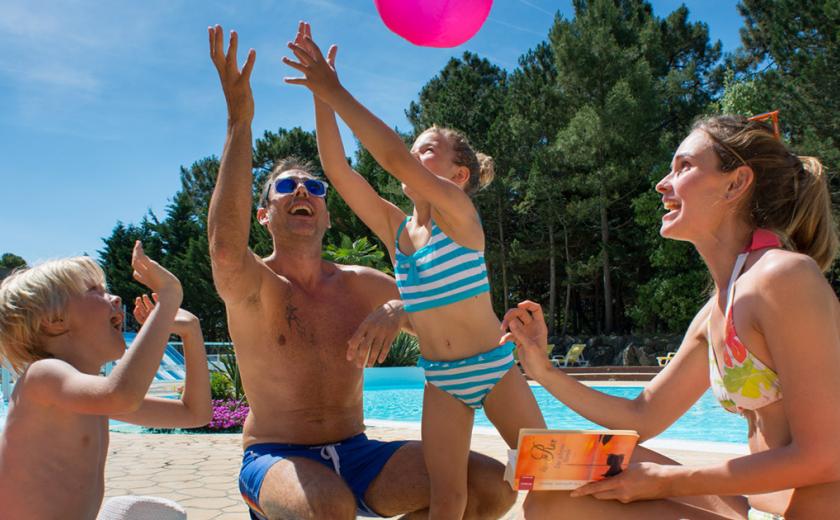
(303, 328)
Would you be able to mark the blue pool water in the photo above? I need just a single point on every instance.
(397, 395)
(706, 420)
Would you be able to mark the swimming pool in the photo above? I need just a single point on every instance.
(706, 420)
(397, 395)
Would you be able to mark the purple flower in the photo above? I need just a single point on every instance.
(228, 414)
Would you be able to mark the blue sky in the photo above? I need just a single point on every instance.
(102, 102)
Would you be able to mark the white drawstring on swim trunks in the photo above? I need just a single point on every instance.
(328, 452)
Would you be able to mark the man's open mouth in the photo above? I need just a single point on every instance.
(301, 210)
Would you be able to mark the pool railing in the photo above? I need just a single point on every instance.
(173, 361)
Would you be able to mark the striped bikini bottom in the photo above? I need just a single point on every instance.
(470, 380)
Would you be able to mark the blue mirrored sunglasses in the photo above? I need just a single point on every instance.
(288, 185)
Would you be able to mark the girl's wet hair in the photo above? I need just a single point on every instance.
(790, 194)
(30, 296)
(481, 166)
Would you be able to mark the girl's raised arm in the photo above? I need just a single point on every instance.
(383, 143)
(381, 216)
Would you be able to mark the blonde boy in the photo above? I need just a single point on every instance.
(58, 326)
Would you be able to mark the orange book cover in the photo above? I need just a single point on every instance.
(567, 459)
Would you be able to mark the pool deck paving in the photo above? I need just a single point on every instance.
(200, 471)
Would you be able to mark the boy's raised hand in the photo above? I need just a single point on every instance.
(236, 83)
(185, 321)
(526, 327)
(154, 276)
(319, 73)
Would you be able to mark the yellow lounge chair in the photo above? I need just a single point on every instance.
(574, 356)
(664, 360)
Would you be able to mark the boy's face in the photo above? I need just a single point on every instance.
(95, 320)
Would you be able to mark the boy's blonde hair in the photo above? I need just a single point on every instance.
(30, 296)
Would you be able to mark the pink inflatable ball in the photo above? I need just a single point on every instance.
(434, 23)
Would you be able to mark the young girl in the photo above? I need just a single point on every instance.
(438, 255)
(768, 341)
(58, 326)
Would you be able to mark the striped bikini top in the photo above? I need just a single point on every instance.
(439, 273)
(743, 382)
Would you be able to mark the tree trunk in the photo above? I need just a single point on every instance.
(552, 281)
(605, 239)
(567, 307)
(502, 255)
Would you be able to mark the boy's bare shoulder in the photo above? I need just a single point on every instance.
(47, 368)
(44, 374)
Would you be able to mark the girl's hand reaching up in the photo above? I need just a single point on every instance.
(526, 327)
(319, 73)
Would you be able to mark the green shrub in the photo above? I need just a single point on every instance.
(220, 386)
(405, 351)
(231, 371)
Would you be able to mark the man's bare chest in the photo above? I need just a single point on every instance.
(321, 322)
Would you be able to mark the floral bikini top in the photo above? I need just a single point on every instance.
(743, 382)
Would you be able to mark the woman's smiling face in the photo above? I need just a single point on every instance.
(694, 191)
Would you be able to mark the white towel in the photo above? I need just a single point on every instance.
(141, 508)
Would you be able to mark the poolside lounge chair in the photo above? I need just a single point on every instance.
(171, 368)
(574, 356)
(664, 360)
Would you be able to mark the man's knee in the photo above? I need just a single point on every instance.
(312, 506)
(302, 490)
(489, 495)
(332, 507)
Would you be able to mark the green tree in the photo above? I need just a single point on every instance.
(11, 261)
(632, 84)
(609, 86)
(790, 61)
(115, 257)
(535, 113)
(793, 46)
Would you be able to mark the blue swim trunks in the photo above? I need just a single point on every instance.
(357, 460)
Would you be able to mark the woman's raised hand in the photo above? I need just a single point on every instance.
(236, 83)
(319, 73)
(526, 327)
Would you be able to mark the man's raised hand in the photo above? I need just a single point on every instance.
(236, 83)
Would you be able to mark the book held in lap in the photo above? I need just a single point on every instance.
(567, 459)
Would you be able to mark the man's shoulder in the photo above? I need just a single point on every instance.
(364, 274)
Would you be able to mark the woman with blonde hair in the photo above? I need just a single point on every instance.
(767, 341)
